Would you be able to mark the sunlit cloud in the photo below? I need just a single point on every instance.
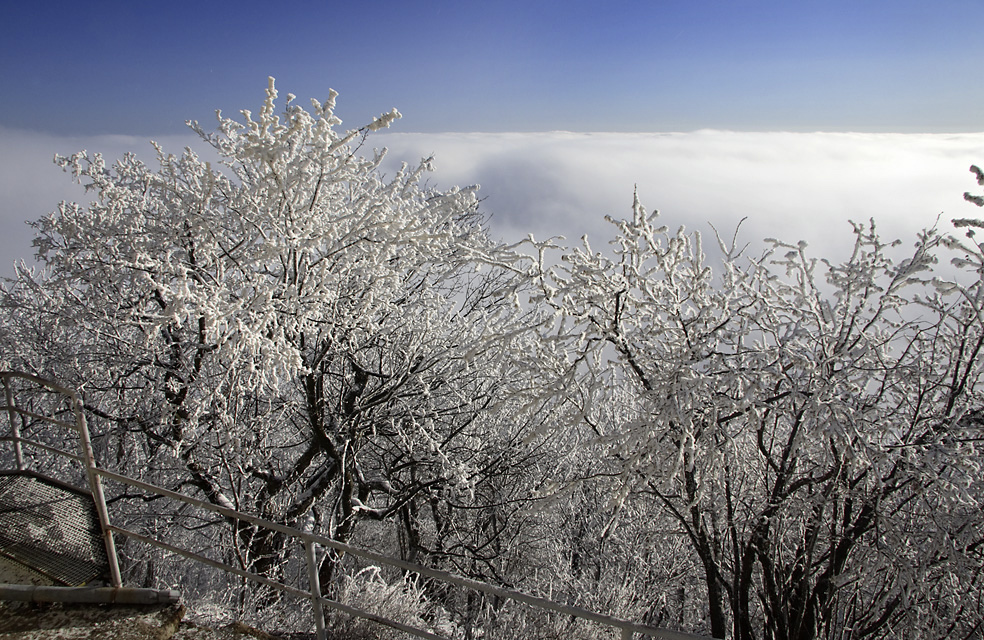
(792, 186)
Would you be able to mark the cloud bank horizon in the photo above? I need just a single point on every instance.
(792, 186)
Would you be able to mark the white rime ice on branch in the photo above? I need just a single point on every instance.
(753, 445)
(288, 332)
(811, 430)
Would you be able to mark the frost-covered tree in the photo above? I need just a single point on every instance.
(286, 331)
(811, 430)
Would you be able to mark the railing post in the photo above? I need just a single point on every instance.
(311, 550)
(14, 429)
(312, 541)
(95, 486)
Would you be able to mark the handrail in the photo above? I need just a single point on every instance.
(437, 574)
(86, 455)
(284, 588)
(311, 541)
(14, 429)
(92, 595)
(40, 445)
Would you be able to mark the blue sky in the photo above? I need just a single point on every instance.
(141, 68)
(892, 87)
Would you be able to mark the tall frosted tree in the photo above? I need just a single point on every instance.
(811, 429)
(284, 331)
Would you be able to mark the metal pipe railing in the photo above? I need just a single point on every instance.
(437, 574)
(87, 595)
(18, 441)
(85, 452)
(311, 542)
(14, 428)
(314, 595)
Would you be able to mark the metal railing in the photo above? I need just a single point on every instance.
(312, 542)
(85, 456)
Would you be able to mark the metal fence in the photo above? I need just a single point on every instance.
(73, 420)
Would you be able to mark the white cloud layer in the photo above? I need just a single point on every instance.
(794, 186)
(31, 185)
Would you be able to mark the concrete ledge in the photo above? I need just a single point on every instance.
(87, 595)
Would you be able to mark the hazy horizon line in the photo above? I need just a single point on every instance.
(395, 130)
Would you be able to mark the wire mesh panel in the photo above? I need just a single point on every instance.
(53, 529)
(50, 528)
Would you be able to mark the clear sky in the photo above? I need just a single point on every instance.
(142, 68)
(892, 87)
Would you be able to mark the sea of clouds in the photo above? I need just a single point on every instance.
(791, 186)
